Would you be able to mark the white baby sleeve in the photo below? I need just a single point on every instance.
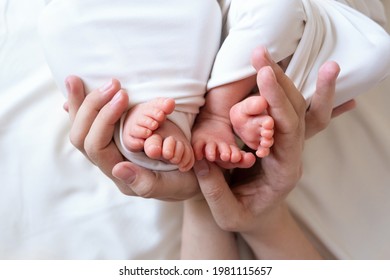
(334, 31)
(254, 23)
(314, 31)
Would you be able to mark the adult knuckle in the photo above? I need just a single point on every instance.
(76, 139)
(150, 190)
(302, 107)
(214, 194)
(90, 149)
(229, 224)
(124, 189)
(320, 123)
(90, 97)
(147, 188)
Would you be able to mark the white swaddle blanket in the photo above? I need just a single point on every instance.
(337, 32)
(169, 50)
(155, 48)
(331, 30)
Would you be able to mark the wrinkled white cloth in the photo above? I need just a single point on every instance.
(169, 51)
(337, 32)
(159, 48)
(313, 31)
(343, 197)
(54, 204)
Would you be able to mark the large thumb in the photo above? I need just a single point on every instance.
(221, 200)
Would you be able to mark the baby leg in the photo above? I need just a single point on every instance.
(253, 125)
(213, 139)
(146, 129)
(213, 136)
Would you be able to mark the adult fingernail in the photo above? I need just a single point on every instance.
(67, 85)
(130, 176)
(66, 107)
(127, 175)
(267, 55)
(116, 98)
(267, 71)
(106, 86)
(201, 168)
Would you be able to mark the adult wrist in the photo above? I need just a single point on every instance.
(278, 236)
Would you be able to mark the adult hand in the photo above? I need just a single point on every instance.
(275, 174)
(254, 203)
(93, 118)
(321, 110)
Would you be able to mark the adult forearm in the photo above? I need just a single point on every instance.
(201, 236)
(278, 236)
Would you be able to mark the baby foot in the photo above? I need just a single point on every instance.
(143, 119)
(252, 124)
(169, 144)
(213, 139)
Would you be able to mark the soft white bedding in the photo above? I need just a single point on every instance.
(343, 198)
(54, 204)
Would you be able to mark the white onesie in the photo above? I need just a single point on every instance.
(314, 31)
(154, 48)
(167, 48)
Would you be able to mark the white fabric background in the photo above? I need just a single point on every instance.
(55, 205)
(53, 202)
(344, 195)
